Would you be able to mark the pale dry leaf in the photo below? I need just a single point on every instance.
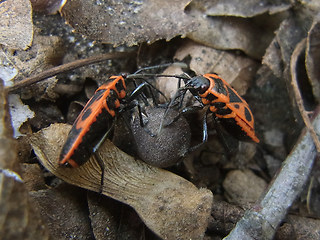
(42, 55)
(19, 112)
(231, 33)
(242, 8)
(169, 205)
(169, 85)
(128, 22)
(16, 27)
(289, 34)
(272, 58)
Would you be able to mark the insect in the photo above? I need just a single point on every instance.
(96, 118)
(223, 101)
(93, 122)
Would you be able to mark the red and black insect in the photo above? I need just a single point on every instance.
(232, 110)
(93, 122)
(224, 102)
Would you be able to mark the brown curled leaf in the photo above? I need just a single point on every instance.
(169, 205)
(128, 22)
(16, 28)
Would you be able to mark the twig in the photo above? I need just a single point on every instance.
(262, 221)
(66, 67)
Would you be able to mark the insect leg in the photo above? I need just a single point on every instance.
(101, 165)
(204, 133)
(217, 126)
(177, 95)
(178, 64)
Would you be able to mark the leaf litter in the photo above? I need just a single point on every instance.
(250, 44)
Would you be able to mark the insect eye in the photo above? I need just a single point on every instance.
(202, 88)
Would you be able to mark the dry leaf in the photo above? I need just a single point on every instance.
(289, 33)
(242, 8)
(313, 58)
(278, 54)
(167, 85)
(231, 33)
(169, 205)
(272, 58)
(16, 28)
(42, 55)
(19, 112)
(128, 22)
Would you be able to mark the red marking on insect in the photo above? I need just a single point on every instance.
(93, 122)
(227, 105)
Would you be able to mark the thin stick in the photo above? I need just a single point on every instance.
(66, 67)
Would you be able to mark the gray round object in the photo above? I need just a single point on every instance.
(166, 148)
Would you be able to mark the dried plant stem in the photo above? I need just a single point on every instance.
(67, 67)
